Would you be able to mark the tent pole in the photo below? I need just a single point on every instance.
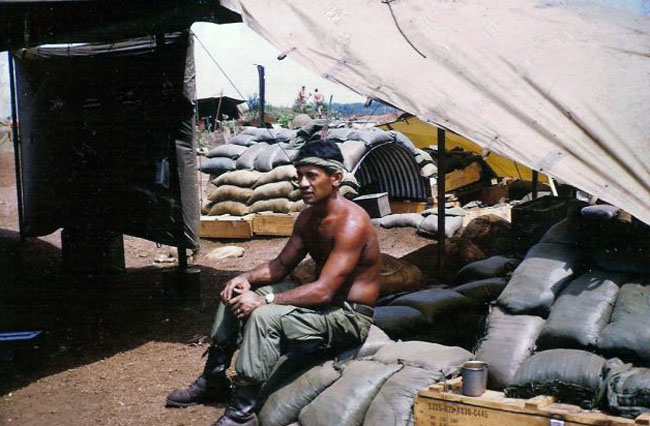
(441, 200)
(260, 72)
(17, 150)
(535, 182)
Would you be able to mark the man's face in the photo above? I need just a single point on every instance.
(316, 184)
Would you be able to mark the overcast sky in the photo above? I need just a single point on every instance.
(237, 49)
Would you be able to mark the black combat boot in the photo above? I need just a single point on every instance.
(211, 386)
(241, 410)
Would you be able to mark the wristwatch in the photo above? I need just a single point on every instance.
(269, 298)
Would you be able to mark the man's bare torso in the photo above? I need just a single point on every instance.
(320, 236)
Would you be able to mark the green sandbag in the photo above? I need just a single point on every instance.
(581, 312)
(563, 232)
(247, 158)
(393, 405)
(627, 336)
(376, 339)
(283, 406)
(217, 165)
(628, 391)
(280, 189)
(431, 356)
(435, 302)
(348, 192)
(352, 152)
(281, 173)
(483, 291)
(495, 266)
(227, 150)
(241, 178)
(508, 341)
(571, 376)
(229, 207)
(346, 401)
(546, 268)
(399, 321)
(230, 193)
(276, 205)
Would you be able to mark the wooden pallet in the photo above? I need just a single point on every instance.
(226, 226)
(441, 405)
(274, 224)
(399, 206)
(463, 177)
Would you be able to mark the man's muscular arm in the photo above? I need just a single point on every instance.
(349, 243)
(269, 272)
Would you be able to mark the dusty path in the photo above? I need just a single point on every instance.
(113, 347)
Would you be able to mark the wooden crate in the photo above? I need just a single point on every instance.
(437, 406)
(226, 226)
(501, 211)
(277, 224)
(397, 206)
(463, 177)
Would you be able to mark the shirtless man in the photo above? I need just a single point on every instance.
(333, 312)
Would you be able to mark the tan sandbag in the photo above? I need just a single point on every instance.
(298, 206)
(348, 192)
(492, 234)
(396, 275)
(281, 173)
(229, 207)
(241, 178)
(295, 195)
(230, 193)
(276, 205)
(206, 205)
(271, 190)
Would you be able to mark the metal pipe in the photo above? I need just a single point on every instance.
(535, 183)
(17, 149)
(441, 200)
(260, 72)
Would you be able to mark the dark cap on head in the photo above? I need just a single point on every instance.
(327, 150)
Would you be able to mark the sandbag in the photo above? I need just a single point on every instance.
(297, 206)
(295, 195)
(346, 401)
(375, 340)
(398, 275)
(581, 311)
(276, 205)
(402, 140)
(352, 152)
(563, 232)
(271, 157)
(227, 150)
(280, 189)
(348, 192)
(398, 320)
(351, 181)
(217, 165)
(371, 136)
(429, 226)
(538, 279)
(483, 291)
(623, 259)
(627, 336)
(393, 405)
(434, 302)
(243, 139)
(230, 193)
(423, 157)
(283, 406)
(206, 205)
(628, 391)
(401, 220)
(247, 158)
(495, 266)
(491, 234)
(241, 178)
(282, 173)
(428, 170)
(342, 134)
(229, 207)
(571, 376)
(431, 356)
(508, 341)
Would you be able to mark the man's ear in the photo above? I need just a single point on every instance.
(337, 179)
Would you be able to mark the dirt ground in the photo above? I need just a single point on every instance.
(112, 347)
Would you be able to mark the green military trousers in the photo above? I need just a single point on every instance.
(272, 330)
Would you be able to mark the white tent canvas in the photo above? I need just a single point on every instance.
(560, 86)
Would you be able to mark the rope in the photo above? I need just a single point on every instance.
(388, 2)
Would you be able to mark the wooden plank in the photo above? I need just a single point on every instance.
(226, 226)
(405, 206)
(436, 407)
(504, 211)
(459, 178)
(277, 224)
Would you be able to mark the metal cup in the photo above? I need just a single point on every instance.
(475, 375)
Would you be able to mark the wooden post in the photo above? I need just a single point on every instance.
(441, 200)
(260, 72)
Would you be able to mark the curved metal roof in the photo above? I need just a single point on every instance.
(390, 168)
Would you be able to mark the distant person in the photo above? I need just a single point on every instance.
(302, 99)
(318, 103)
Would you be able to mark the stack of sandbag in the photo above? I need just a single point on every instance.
(371, 390)
(426, 222)
(231, 193)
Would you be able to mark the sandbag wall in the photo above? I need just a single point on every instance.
(567, 322)
(253, 172)
(375, 385)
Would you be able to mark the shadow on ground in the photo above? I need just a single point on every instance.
(88, 318)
